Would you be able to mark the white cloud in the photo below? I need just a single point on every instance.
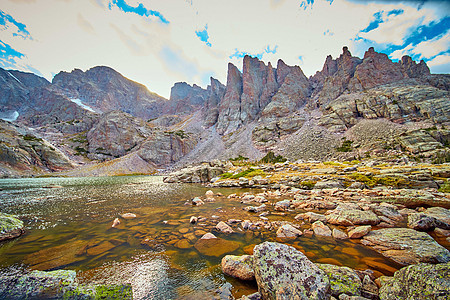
(85, 33)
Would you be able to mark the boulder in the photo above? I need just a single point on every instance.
(282, 272)
(311, 217)
(288, 231)
(197, 201)
(197, 174)
(282, 205)
(238, 266)
(406, 246)
(421, 222)
(320, 229)
(255, 209)
(10, 227)
(419, 282)
(359, 231)
(328, 184)
(338, 234)
(343, 280)
(349, 217)
(223, 227)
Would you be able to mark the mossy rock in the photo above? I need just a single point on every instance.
(10, 226)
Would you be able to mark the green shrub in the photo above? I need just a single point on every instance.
(249, 173)
(445, 188)
(29, 137)
(272, 158)
(239, 158)
(345, 147)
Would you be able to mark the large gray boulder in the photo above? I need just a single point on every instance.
(406, 246)
(238, 266)
(418, 282)
(282, 272)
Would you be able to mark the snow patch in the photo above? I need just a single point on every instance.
(9, 117)
(81, 104)
(15, 78)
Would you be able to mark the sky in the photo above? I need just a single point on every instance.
(160, 42)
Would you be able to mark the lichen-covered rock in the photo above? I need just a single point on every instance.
(418, 282)
(406, 246)
(343, 280)
(59, 284)
(238, 266)
(421, 222)
(10, 227)
(281, 270)
(197, 174)
(347, 217)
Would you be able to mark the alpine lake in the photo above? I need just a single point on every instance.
(69, 226)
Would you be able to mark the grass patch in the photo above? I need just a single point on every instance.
(445, 188)
(249, 173)
(308, 183)
(272, 158)
(29, 137)
(345, 147)
(373, 181)
(239, 158)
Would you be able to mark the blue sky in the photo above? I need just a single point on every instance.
(160, 42)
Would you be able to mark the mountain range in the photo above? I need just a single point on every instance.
(98, 122)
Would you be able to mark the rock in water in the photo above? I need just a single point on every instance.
(223, 227)
(288, 231)
(406, 246)
(128, 216)
(238, 266)
(419, 282)
(116, 223)
(10, 227)
(282, 271)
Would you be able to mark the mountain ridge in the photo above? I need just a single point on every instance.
(260, 109)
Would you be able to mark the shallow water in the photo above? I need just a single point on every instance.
(69, 220)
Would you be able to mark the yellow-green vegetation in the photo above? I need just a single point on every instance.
(345, 147)
(249, 173)
(445, 188)
(308, 183)
(29, 137)
(239, 158)
(179, 133)
(272, 158)
(332, 163)
(80, 138)
(372, 181)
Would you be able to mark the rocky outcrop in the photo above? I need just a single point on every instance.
(105, 89)
(201, 173)
(211, 111)
(282, 272)
(421, 281)
(22, 152)
(230, 106)
(334, 78)
(406, 246)
(185, 98)
(10, 227)
(116, 134)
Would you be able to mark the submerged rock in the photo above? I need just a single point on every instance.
(215, 246)
(419, 282)
(282, 272)
(10, 227)
(406, 246)
(238, 266)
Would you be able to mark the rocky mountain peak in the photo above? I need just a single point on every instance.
(413, 69)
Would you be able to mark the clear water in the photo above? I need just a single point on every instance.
(68, 222)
